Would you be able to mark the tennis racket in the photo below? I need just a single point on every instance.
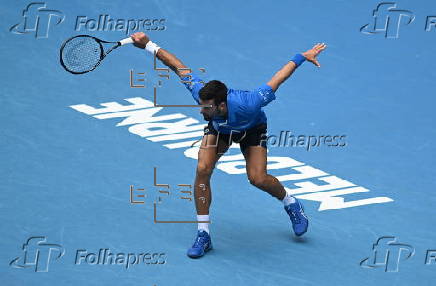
(81, 54)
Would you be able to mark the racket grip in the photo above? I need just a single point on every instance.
(126, 41)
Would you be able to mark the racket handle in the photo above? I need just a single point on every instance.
(126, 41)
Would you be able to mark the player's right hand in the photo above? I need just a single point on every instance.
(140, 39)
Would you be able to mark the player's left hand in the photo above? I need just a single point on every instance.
(311, 54)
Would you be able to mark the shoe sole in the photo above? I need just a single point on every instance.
(198, 256)
(304, 231)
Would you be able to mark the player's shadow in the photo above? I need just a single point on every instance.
(300, 239)
(257, 237)
(288, 235)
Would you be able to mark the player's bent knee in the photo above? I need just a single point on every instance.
(204, 170)
(257, 180)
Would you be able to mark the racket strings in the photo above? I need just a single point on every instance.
(81, 54)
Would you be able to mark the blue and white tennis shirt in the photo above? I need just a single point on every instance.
(244, 107)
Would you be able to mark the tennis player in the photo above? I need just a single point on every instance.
(233, 116)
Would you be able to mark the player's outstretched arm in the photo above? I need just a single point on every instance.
(286, 71)
(141, 40)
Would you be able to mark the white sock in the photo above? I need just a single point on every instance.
(203, 225)
(288, 199)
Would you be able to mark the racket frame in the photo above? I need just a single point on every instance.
(103, 54)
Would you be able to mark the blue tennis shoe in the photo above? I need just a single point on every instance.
(298, 217)
(202, 244)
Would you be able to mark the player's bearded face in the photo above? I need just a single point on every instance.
(210, 111)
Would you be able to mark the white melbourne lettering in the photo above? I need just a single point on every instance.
(139, 115)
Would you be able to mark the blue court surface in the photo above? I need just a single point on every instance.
(97, 181)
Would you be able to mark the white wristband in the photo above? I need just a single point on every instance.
(152, 47)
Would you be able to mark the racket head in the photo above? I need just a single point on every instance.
(81, 54)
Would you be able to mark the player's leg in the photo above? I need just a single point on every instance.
(256, 159)
(211, 148)
(255, 153)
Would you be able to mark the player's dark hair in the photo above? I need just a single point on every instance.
(215, 90)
